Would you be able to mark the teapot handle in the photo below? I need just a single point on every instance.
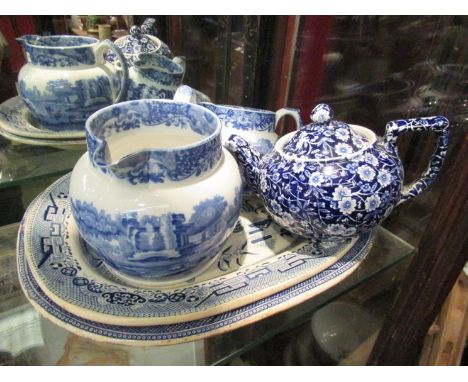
(99, 54)
(295, 113)
(439, 125)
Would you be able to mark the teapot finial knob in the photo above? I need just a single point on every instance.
(135, 31)
(322, 113)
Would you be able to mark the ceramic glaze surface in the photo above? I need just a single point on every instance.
(66, 78)
(150, 205)
(313, 189)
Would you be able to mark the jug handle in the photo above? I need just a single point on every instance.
(291, 112)
(99, 54)
(440, 126)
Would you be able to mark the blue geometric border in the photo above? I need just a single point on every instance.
(186, 331)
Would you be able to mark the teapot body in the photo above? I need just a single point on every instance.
(331, 200)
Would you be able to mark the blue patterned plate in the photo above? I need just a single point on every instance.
(74, 144)
(258, 260)
(16, 119)
(152, 335)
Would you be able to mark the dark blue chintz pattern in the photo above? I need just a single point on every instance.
(314, 190)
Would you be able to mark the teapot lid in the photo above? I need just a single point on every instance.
(141, 40)
(325, 137)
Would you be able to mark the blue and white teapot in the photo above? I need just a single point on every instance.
(330, 181)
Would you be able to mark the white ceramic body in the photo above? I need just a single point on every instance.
(156, 195)
(116, 197)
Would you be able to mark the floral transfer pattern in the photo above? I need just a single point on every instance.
(245, 119)
(344, 197)
(323, 200)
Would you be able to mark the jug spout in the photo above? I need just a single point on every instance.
(26, 39)
(248, 160)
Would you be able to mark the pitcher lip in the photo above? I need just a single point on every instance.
(101, 141)
(158, 58)
(91, 44)
(372, 139)
(240, 108)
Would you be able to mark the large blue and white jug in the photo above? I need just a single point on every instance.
(156, 194)
(66, 78)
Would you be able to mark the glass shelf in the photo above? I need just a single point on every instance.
(46, 344)
(21, 164)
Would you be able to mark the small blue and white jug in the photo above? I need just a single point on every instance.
(66, 78)
(331, 181)
(155, 76)
(256, 126)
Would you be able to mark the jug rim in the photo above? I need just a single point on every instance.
(369, 134)
(240, 108)
(93, 41)
(160, 60)
(103, 141)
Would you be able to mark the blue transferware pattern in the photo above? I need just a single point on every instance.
(66, 78)
(258, 257)
(16, 118)
(171, 207)
(141, 40)
(255, 125)
(330, 181)
(42, 51)
(183, 331)
(154, 166)
(155, 246)
(155, 76)
(63, 102)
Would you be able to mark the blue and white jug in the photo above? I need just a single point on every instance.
(66, 78)
(256, 126)
(155, 76)
(156, 194)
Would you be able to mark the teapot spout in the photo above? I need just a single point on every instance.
(248, 160)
